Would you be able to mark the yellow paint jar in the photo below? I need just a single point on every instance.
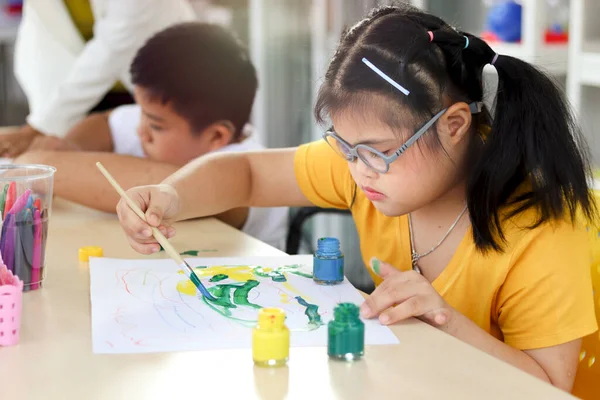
(270, 339)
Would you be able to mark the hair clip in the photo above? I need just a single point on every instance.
(494, 59)
(382, 74)
(430, 36)
(466, 42)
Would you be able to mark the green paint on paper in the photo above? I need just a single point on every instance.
(278, 274)
(218, 278)
(312, 312)
(275, 274)
(232, 296)
(194, 253)
(293, 269)
(223, 303)
(240, 294)
(145, 276)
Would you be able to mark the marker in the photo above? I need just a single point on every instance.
(270, 339)
(11, 196)
(18, 249)
(3, 235)
(20, 203)
(25, 232)
(38, 204)
(29, 202)
(8, 251)
(36, 259)
(3, 199)
(346, 333)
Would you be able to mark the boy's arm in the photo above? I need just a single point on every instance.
(92, 133)
(77, 179)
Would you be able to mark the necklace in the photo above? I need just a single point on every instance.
(415, 257)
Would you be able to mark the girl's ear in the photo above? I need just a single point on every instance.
(454, 124)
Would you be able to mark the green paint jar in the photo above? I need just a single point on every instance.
(346, 333)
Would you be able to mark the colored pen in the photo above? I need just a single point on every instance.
(3, 235)
(18, 248)
(20, 203)
(44, 236)
(11, 195)
(25, 228)
(9, 244)
(3, 199)
(37, 249)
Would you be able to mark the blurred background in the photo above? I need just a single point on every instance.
(291, 41)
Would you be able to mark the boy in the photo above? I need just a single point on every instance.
(194, 88)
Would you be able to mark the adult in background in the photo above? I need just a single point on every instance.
(73, 56)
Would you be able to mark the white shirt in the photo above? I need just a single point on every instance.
(62, 76)
(267, 224)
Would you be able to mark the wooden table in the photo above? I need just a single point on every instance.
(54, 359)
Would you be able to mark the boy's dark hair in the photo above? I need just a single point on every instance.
(203, 70)
(533, 139)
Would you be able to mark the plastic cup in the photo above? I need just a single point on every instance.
(25, 207)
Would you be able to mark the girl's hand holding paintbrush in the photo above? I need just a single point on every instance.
(160, 203)
(155, 213)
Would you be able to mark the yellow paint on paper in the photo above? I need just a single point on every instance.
(239, 273)
(294, 290)
(186, 287)
(284, 298)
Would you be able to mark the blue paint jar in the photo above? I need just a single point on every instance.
(328, 262)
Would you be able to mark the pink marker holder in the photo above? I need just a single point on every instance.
(11, 300)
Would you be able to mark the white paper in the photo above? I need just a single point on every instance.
(137, 308)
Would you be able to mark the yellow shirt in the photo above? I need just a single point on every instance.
(83, 19)
(82, 16)
(537, 293)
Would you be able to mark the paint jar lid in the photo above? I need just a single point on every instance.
(346, 312)
(271, 318)
(90, 251)
(328, 245)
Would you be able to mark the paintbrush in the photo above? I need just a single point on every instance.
(164, 242)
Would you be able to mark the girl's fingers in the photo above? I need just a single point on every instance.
(386, 295)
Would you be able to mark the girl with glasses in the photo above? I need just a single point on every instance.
(467, 222)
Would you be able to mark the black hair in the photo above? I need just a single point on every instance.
(534, 142)
(202, 70)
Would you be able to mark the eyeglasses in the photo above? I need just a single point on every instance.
(374, 159)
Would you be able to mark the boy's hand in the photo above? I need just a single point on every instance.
(17, 141)
(160, 203)
(403, 295)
